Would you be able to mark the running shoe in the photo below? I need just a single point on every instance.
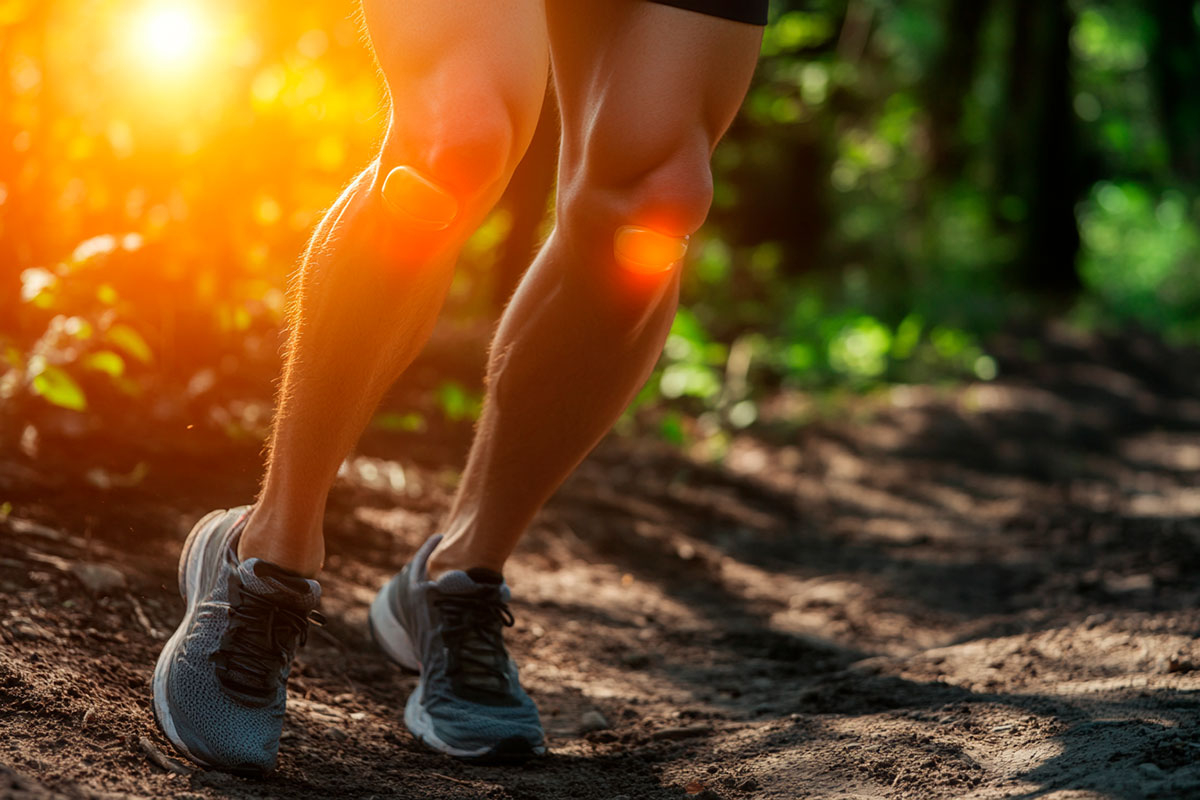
(468, 702)
(220, 685)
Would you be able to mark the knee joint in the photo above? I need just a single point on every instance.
(647, 223)
(432, 187)
(647, 251)
(418, 199)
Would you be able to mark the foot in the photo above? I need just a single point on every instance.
(220, 684)
(469, 702)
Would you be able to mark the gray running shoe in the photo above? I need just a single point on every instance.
(220, 684)
(469, 702)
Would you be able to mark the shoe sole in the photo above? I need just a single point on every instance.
(391, 637)
(190, 576)
(511, 750)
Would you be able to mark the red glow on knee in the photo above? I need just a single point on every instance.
(418, 200)
(647, 251)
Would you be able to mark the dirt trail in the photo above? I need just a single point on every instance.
(982, 592)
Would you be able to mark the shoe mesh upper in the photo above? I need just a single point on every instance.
(214, 726)
(458, 721)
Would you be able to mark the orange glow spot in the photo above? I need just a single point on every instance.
(643, 250)
(414, 197)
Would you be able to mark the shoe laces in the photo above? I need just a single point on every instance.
(258, 644)
(473, 632)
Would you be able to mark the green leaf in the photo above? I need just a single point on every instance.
(105, 361)
(687, 326)
(859, 349)
(130, 341)
(908, 335)
(59, 388)
(689, 380)
(670, 429)
(457, 403)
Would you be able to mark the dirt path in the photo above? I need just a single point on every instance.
(983, 592)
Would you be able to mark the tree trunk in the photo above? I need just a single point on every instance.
(1175, 69)
(949, 83)
(1037, 178)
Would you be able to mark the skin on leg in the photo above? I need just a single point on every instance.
(466, 82)
(646, 92)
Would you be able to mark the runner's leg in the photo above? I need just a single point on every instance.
(646, 91)
(466, 81)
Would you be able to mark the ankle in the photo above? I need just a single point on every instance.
(297, 549)
(448, 558)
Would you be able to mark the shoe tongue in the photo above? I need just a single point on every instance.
(282, 586)
(459, 582)
(484, 575)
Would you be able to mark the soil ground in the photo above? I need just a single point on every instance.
(980, 592)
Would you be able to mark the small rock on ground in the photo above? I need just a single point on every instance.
(591, 721)
(99, 579)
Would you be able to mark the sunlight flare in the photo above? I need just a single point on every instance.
(170, 35)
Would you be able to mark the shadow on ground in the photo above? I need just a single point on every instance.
(980, 592)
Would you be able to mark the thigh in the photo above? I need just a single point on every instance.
(640, 81)
(453, 67)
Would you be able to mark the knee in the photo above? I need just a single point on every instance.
(440, 169)
(638, 217)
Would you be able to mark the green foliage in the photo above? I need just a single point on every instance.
(55, 386)
(457, 403)
(81, 328)
(129, 340)
(873, 207)
(1141, 256)
(105, 361)
(818, 346)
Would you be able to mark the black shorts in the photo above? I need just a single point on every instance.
(751, 11)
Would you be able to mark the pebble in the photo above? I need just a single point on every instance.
(28, 630)
(99, 579)
(1003, 728)
(592, 720)
(1152, 771)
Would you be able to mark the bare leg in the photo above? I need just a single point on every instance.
(646, 91)
(466, 81)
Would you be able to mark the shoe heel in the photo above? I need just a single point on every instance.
(186, 555)
(389, 634)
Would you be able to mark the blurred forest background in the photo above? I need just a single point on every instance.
(905, 180)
